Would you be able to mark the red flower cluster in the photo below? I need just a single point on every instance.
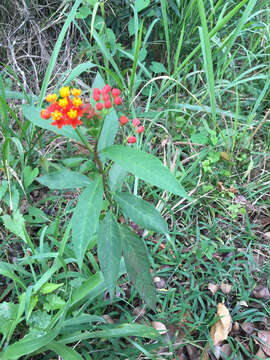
(104, 93)
(64, 111)
(135, 123)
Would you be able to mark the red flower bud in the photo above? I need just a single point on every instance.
(107, 104)
(106, 89)
(115, 92)
(123, 120)
(45, 114)
(96, 96)
(117, 100)
(96, 91)
(140, 129)
(136, 122)
(99, 106)
(105, 97)
(132, 139)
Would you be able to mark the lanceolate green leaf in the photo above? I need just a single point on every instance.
(122, 330)
(141, 212)
(145, 166)
(92, 287)
(109, 251)
(64, 179)
(89, 289)
(109, 130)
(85, 218)
(66, 352)
(27, 346)
(138, 265)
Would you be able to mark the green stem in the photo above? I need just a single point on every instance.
(103, 174)
(83, 139)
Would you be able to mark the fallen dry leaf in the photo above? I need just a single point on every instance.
(265, 221)
(226, 288)
(160, 282)
(223, 352)
(247, 327)
(226, 351)
(236, 327)
(242, 303)
(175, 334)
(138, 312)
(220, 330)
(159, 326)
(264, 336)
(225, 156)
(261, 292)
(267, 235)
(213, 288)
(193, 352)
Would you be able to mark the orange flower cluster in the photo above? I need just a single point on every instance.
(64, 110)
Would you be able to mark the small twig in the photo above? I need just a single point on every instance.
(258, 127)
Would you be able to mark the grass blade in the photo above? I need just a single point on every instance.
(166, 30)
(207, 56)
(236, 33)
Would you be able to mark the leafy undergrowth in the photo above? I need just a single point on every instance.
(207, 119)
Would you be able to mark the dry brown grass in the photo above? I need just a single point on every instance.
(28, 32)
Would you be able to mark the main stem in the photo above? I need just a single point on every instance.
(102, 172)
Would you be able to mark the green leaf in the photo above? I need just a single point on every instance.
(47, 275)
(64, 179)
(35, 216)
(145, 166)
(116, 177)
(157, 67)
(29, 175)
(83, 12)
(141, 4)
(109, 130)
(66, 352)
(49, 287)
(90, 288)
(33, 114)
(85, 218)
(109, 251)
(27, 346)
(77, 71)
(122, 330)
(138, 265)
(7, 270)
(200, 137)
(111, 122)
(12, 198)
(141, 212)
(39, 320)
(15, 224)
(53, 302)
(8, 313)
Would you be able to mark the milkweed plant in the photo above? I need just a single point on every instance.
(94, 122)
